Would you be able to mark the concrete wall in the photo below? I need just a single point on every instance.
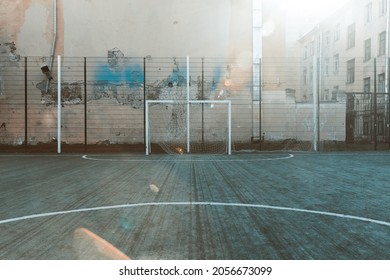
(283, 118)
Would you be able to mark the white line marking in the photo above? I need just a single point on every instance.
(184, 158)
(337, 215)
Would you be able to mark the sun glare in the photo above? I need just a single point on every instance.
(311, 8)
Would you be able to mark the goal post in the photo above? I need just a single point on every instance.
(189, 126)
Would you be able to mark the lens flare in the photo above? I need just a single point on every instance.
(179, 150)
(90, 246)
(154, 188)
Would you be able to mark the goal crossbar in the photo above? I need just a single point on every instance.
(188, 103)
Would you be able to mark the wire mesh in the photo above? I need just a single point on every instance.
(273, 108)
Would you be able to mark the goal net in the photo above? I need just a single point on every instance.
(180, 127)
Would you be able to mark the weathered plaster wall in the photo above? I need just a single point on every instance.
(218, 28)
(112, 31)
(29, 24)
(172, 28)
(12, 17)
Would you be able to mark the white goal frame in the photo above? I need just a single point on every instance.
(188, 102)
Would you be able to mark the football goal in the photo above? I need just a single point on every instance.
(188, 126)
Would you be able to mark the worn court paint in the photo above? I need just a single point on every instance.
(280, 208)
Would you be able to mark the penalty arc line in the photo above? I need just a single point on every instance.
(323, 213)
(288, 156)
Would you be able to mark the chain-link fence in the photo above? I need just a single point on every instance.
(300, 104)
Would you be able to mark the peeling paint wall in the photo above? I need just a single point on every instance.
(12, 17)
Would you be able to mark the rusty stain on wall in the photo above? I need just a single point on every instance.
(59, 48)
(12, 16)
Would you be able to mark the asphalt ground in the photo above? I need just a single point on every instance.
(250, 205)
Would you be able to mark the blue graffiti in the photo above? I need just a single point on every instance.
(217, 76)
(131, 75)
(177, 77)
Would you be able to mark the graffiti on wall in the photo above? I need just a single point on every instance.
(121, 79)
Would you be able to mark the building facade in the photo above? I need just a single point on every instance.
(347, 44)
(351, 48)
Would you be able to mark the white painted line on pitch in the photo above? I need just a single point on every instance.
(337, 215)
(183, 158)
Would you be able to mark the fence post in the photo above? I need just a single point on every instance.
(202, 87)
(388, 101)
(374, 107)
(316, 106)
(59, 106)
(25, 104)
(260, 107)
(85, 106)
(188, 105)
(145, 107)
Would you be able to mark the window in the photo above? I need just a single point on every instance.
(335, 93)
(381, 130)
(351, 36)
(326, 95)
(305, 52)
(319, 44)
(337, 33)
(351, 71)
(382, 7)
(368, 13)
(382, 43)
(336, 63)
(311, 73)
(367, 85)
(311, 48)
(326, 66)
(381, 83)
(327, 39)
(305, 76)
(367, 49)
(366, 125)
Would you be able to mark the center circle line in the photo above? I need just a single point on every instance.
(280, 208)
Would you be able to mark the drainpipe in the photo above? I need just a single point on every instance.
(53, 45)
(256, 59)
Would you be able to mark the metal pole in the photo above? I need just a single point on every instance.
(188, 104)
(25, 104)
(85, 106)
(318, 102)
(315, 105)
(230, 127)
(202, 103)
(145, 107)
(260, 108)
(375, 128)
(59, 107)
(388, 100)
(53, 45)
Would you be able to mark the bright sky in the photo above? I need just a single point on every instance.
(315, 8)
(305, 14)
